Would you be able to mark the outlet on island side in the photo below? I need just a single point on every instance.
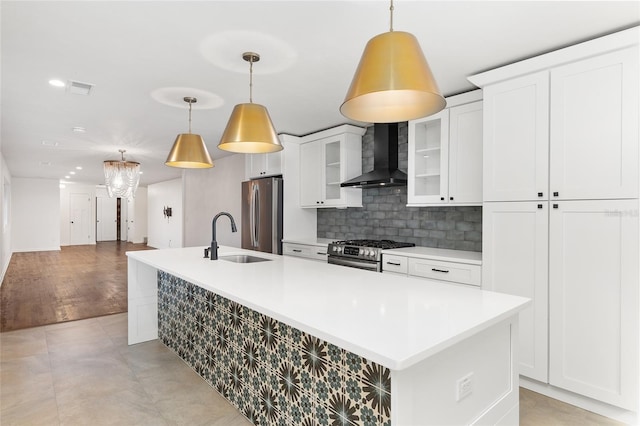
(464, 387)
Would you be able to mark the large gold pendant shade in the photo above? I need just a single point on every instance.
(393, 81)
(189, 150)
(249, 129)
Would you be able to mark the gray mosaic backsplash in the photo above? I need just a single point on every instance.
(273, 373)
(384, 213)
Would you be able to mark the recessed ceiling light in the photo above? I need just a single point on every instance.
(45, 163)
(49, 143)
(140, 173)
(57, 83)
(79, 129)
(67, 177)
(72, 173)
(78, 168)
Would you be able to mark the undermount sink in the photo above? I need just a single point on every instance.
(243, 258)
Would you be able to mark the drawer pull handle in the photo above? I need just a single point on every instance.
(321, 253)
(439, 270)
(393, 263)
(297, 251)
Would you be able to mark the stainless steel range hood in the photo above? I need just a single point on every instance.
(385, 161)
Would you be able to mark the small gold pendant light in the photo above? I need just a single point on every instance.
(189, 150)
(393, 81)
(250, 129)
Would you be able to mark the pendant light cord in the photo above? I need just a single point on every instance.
(391, 17)
(190, 103)
(251, 79)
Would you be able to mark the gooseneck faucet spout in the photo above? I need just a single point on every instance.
(213, 250)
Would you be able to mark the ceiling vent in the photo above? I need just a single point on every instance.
(79, 88)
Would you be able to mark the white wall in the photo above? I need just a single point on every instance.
(65, 193)
(163, 232)
(137, 216)
(209, 192)
(5, 217)
(35, 213)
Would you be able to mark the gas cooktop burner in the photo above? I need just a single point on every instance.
(383, 244)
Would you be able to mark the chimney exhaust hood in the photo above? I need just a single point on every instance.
(385, 161)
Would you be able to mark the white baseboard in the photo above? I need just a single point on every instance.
(589, 404)
(25, 250)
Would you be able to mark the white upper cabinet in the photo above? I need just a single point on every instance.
(327, 159)
(516, 139)
(263, 165)
(465, 154)
(445, 155)
(594, 128)
(429, 160)
(567, 133)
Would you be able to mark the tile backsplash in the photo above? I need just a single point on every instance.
(384, 213)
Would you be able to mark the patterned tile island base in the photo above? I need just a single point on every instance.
(274, 374)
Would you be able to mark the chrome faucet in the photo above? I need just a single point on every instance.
(213, 250)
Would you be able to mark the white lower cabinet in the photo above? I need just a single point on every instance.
(307, 251)
(433, 268)
(515, 261)
(579, 262)
(593, 299)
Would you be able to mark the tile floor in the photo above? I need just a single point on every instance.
(83, 372)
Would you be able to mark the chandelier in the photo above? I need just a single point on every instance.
(121, 177)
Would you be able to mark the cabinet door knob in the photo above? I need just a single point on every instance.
(441, 198)
(539, 206)
(540, 194)
(451, 198)
(555, 194)
(555, 206)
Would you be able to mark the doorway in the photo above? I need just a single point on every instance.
(106, 219)
(79, 219)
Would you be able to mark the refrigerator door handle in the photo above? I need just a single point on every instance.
(256, 215)
(252, 215)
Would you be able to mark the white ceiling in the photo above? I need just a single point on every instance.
(309, 49)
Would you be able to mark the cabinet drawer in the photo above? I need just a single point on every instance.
(391, 263)
(447, 271)
(306, 251)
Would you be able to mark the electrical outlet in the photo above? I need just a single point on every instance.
(464, 386)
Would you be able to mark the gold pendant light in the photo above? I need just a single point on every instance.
(250, 129)
(189, 150)
(393, 81)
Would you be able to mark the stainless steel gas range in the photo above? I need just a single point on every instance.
(363, 254)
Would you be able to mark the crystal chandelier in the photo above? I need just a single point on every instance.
(121, 177)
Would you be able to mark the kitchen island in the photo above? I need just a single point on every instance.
(289, 341)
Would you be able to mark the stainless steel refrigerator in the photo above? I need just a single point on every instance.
(262, 215)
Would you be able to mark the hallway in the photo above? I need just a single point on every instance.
(74, 283)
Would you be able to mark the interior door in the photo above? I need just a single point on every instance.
(106, 219)
(79, 219)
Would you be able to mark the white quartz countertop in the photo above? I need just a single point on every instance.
(319, 242)
(392, 320)
(444, 255)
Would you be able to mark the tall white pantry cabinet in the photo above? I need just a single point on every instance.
(560, 216)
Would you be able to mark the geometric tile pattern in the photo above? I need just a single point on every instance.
(273, 373)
